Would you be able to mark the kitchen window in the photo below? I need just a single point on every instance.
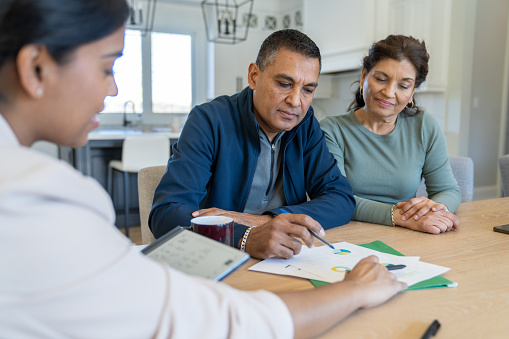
(154, 74)
(171, 73)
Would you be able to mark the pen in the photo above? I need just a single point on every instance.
(325, 242)
(321, 239)
(432, 330)
(392, 267)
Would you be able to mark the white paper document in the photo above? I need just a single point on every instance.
(325, 264)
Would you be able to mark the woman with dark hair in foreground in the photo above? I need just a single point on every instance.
(66, 269)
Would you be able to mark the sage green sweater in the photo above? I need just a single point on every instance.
(386, 169)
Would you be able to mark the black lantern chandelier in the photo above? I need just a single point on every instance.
(141, 15)
(221, 19)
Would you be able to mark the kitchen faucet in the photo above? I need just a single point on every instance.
(127, 122)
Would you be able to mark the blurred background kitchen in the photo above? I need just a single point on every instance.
(180, 53)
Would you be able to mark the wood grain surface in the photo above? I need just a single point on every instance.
(479, 262)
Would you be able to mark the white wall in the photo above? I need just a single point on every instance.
(487, 93)
(458, 104)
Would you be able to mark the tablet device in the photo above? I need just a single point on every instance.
(195, 254)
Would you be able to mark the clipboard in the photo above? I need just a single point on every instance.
(195, 254)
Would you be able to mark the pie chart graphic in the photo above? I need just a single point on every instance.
(340, 269)
(343, 252)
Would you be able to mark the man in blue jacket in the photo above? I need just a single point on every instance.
(259, 157)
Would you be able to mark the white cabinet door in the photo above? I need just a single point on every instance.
(344, 30)
(427, 20)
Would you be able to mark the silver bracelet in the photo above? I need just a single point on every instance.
(244, 239)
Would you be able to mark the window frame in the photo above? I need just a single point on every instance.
(148, 117)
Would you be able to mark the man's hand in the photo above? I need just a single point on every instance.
(240, 218)
(279, 238)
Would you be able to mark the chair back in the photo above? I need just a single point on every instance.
(148, 179)
(463, 171)
(145, 151)
(503, 164)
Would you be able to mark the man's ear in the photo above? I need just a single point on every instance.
(31, 63)
(253, 74)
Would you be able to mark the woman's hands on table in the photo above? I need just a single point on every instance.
(425, 215)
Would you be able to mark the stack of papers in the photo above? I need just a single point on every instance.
(328, 265)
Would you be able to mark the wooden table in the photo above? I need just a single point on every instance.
(479, 262)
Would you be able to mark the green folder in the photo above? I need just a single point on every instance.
(378, 245)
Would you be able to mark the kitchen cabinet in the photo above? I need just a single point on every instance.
(430, 21)
(342, 29)
(345, 30)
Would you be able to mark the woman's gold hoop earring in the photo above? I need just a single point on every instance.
(360, 91)
(411, 103)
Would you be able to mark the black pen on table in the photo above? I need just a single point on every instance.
(322, 240)
(432, 330)
(392, 267)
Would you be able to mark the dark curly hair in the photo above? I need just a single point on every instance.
(396, 47)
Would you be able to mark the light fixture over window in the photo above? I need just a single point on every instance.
(141, 15)
(222, 20)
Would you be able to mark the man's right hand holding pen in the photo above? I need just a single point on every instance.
(281, 237)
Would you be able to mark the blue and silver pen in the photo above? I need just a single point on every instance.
(322, 240)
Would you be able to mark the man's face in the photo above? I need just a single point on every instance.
(283, 92)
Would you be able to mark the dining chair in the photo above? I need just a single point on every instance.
(148, 179)
(137, 152)
(503, 165)
(463, 171)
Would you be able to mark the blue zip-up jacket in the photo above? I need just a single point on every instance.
(214, 161)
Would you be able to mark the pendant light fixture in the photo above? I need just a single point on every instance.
(141, 15)
(222, 18)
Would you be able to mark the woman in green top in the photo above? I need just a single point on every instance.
(385, 144)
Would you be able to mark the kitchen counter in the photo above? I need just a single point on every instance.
(120, 133)
(105, 144)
